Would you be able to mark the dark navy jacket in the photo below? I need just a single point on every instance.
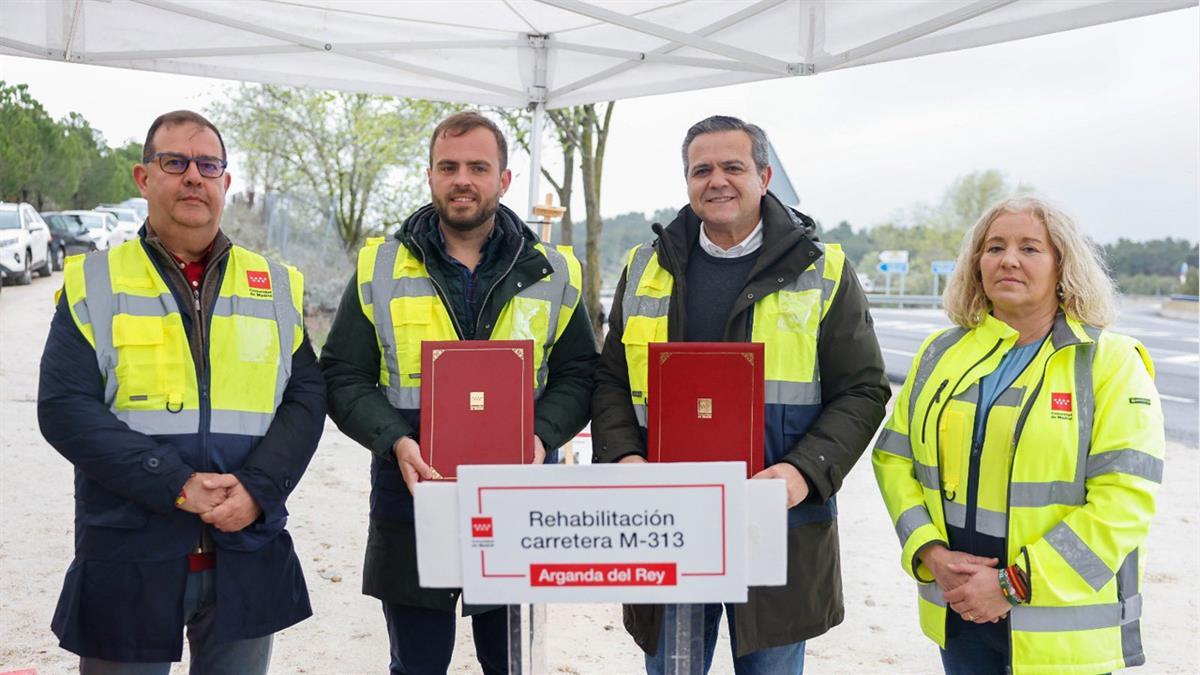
(122, 598)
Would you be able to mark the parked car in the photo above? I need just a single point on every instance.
(139, 206)
(101, 226)
(71, 237)
(24, 243)
(128, 224)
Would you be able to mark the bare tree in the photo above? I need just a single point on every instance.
(581, 131)
(351, 152)
(519, 123)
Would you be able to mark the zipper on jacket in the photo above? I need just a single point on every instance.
(204, 376)
(440, 291)
(937, 396)
(976, 466)
(1012, 463)
(488, 295)
(1020, 426)
(937, 437)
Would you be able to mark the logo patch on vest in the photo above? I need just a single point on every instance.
(1060, 405)
(259, 283)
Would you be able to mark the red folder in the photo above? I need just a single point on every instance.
(476, 403)
(705, 403)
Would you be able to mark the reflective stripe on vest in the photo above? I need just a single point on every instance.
(787, 322)
(1058, 619)
(125, 310)
(400, 294)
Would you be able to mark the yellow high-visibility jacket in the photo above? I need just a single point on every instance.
(1071, 460)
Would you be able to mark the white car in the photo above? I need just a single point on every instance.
(24, 243)
(100, 226)
(128, 224)
(139, 206)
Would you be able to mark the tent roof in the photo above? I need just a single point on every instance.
(521, 52)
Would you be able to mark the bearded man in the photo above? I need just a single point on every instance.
(448, 273)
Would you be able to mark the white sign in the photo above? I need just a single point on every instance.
(654, 533)
(893, 257)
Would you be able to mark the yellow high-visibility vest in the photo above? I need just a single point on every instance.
(1071, 460)
(400, 299)
(787, 322)
(125, 310)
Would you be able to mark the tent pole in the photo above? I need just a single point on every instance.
(535, 158)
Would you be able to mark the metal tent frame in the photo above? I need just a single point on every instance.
(533, 54)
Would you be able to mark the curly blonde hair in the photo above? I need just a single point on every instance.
(1086, 291)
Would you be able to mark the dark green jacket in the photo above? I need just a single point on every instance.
(350, 360)
(854, 392)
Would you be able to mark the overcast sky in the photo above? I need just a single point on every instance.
(1104, 120)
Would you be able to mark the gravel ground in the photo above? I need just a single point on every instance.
(347, 634)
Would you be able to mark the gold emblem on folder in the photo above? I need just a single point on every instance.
(704, 408)
(477, 400)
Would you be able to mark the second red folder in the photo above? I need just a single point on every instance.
(705, 403)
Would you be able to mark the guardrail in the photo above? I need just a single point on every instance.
(901, 301)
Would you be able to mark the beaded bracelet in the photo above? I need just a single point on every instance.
(1006, 587)
(1019, 582)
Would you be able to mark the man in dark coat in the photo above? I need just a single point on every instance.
(464, 259)
(724, 257)
(178, 380)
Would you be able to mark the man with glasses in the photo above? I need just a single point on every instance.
(178, 380)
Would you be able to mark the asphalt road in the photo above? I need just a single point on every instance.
(1174, 345)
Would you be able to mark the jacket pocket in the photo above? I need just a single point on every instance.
(127, 516)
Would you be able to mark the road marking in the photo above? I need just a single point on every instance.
(1177, 399)
(889, 350)
(1182, 358)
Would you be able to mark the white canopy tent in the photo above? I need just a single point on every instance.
(534, 54)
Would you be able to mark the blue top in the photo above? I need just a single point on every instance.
(994, 383)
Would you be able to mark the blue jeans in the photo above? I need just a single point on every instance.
(785, 660)
(422, 640)
(208, 657)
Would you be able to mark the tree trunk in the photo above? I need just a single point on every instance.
(593, 136)
(564, 195)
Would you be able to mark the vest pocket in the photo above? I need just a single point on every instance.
(798, 312)
(953, 431)
(257, 340)
(412, 324)
(141, 355)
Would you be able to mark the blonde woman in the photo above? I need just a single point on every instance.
(1021, 460)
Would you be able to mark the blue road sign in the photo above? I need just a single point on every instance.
(942, 267)
(893, 267)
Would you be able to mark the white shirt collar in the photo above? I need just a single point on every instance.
(747, 246)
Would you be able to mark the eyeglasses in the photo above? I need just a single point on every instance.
(176, 164)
